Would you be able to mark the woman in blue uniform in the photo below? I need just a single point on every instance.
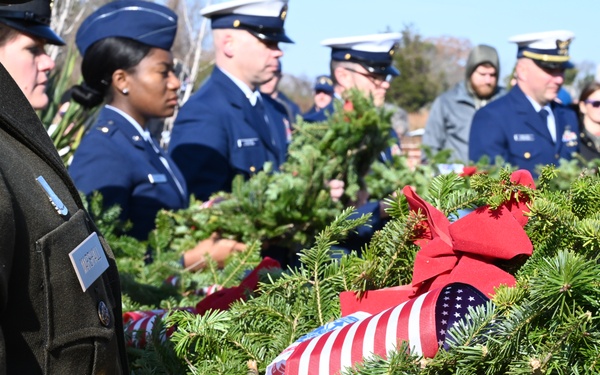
(127, 64)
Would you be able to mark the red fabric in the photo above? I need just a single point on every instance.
(374, 301)
(468, 171)
(463, 251)
(223, 298)
(466, 250)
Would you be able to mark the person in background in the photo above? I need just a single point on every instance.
(589, 116)
(323, 94)
(563, 97)
(225, 129)
(22, 49)
(449, 122)
(55, 316)
(527, 127)
(360, 62)
(127, 64)
(271, 89)
(364, 63)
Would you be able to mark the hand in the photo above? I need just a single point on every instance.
(383, 205)
(336, 189)
(216, 247)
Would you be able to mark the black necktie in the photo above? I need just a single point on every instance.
(544, 116)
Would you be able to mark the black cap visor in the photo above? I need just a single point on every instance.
(378, 68)
(267, 34)
(553, 65)
(34, 29)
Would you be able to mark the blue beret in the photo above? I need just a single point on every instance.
(374, 52)
(549, 49)
(262, 18)
(146, 22)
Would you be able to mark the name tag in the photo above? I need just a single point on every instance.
(89, 261)
(247, 142)
(157, 178)
(523, 137)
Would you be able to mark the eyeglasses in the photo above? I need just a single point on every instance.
(594, 103)
(378, 79)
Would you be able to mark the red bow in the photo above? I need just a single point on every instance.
(466, 250)
(221, 299)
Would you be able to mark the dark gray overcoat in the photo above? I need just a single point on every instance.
(48, 325)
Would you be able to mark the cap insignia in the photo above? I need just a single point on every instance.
(283, 13)
(563, 47)
(347, 56)
(236, 23)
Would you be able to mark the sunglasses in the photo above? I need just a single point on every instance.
(378, 79)
(594, 103)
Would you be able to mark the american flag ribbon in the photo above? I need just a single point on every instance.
(139, 324)
(422, 321)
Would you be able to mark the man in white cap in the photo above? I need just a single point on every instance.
(364, 63)
(526, 127)
(227, 128)
(361, 62)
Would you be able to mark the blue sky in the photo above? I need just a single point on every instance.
(480, 21)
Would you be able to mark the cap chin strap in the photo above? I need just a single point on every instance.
(543, 57)
(24, 16)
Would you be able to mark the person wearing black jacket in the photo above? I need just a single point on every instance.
(60, 297)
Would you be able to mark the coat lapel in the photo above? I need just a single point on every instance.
(238, 100)
(528, 115)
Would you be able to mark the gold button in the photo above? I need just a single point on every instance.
(347, 56)
(104, 314)
(252, 169)
(236, 23)
(527, 155)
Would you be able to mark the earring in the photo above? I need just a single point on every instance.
(125, 91)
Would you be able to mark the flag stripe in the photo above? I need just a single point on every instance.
(324, 363)
(414, 323)
(346, 352)
(335, 361)
(428, 329)
(391, 339)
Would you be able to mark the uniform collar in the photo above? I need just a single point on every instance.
(537, 105)
(252, 96)
(144, 133)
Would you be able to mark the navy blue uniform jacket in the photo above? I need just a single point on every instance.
(115, 160)
(218, 134)
(511, 128)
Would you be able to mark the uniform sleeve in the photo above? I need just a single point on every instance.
(199, 149)
(98, 165)
(363, 234)
(7, 244)
(487, 136)
(435, 131)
